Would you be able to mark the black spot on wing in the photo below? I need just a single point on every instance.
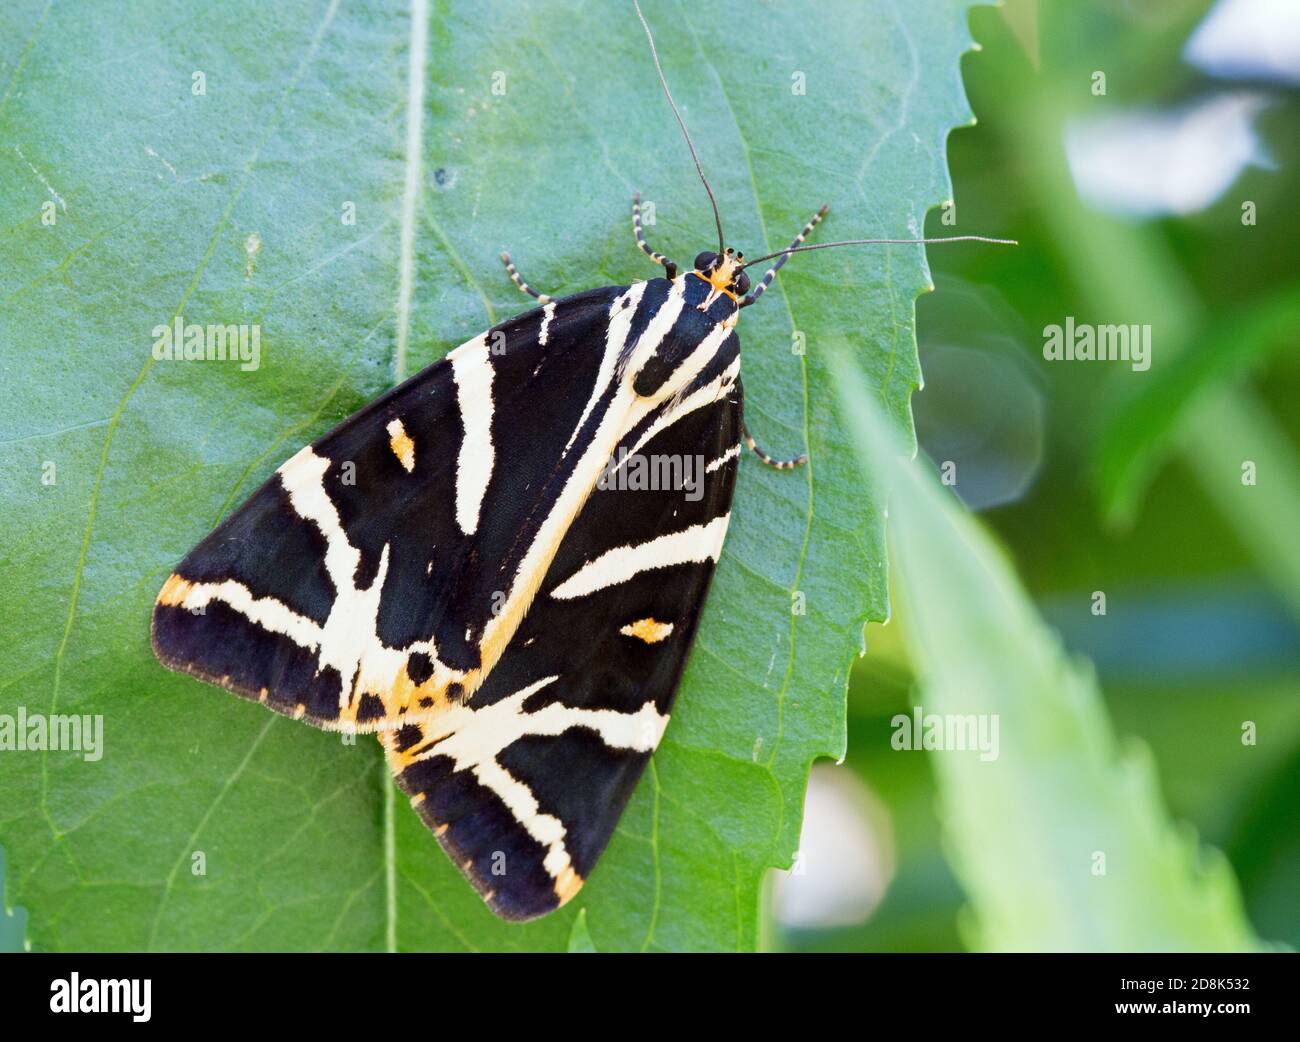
(406, 737)
(653, 375)
(419, 667)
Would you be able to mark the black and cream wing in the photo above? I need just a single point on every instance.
(360, 582)
(466, 568)
(524, 783)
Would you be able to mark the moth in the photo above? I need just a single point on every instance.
(451, 570)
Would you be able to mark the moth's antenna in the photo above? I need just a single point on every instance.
(877, 242)
(682, 123)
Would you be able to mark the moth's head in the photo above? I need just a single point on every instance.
(723, 271)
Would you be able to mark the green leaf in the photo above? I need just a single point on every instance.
(579, 936)
(226, 206)
(1060, 837)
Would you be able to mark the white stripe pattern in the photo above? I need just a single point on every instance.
(548, 313)
(471, 368)
(698, 399)
(349, 635)
(349, 640)
(696, 544)
(620, 324)
(268, 612)
(658, 327)
(723, 460)
(473, 738)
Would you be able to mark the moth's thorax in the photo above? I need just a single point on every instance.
(679, 330)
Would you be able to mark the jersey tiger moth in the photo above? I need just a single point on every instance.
(441, 569)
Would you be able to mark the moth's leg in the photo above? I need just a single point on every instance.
(542, 298)
(771, 461)
(670, 268)
(757, 292)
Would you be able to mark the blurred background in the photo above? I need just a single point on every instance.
(1144, 153)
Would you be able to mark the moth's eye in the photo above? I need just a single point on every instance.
(705, 261)
(740, 284)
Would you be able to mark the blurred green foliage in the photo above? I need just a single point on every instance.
(1057, 831)
(1138, 491)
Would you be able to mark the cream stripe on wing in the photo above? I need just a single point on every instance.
(472, 735)
(548, 313)
(303, 477)
(349, 640)
(472, 371)
(272, 615)
(723, 460)
(546, 829)
(696, 544)
(349, 632)
(620, 323)
(659, 327)
(697, 399)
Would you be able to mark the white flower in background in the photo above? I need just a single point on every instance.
(1147, 163)
(1249, 39)
(846, 855)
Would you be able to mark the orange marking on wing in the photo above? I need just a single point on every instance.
(401, 697)
(402, 445)
(174, 590)
(567, 883)
(652, 631)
